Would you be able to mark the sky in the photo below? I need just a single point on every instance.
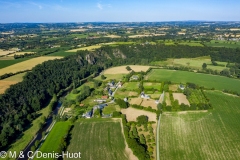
(118, 10)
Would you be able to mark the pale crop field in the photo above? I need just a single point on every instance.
(6, 83)
(123, 70)
(3, 53)
(211, 134)
(26, 65)
(181, 98)
(136, 101)
(133, 113)
(89, 48)
(149, 102)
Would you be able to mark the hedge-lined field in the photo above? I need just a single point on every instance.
(206, 80)
(99, 140)
(205, 134)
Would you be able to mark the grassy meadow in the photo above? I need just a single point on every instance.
(53, 140)
(202, 135)
(206, 80)
(195, 63)
(227, 44)
(98, 139)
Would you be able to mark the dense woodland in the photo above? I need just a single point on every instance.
(47, 79)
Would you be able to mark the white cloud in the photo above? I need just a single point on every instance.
(99, 5)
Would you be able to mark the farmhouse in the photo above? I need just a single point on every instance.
(181, 87)
(88, 114)
(143, 95)
(104, 97)
(100, 100)
(134, 77)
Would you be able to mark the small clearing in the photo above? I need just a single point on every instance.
(181, 98)
(149, 102)
(136, 101)
(133, 113)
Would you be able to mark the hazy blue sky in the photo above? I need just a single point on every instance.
(117, 10)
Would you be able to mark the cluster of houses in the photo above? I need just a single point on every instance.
(90, 113)
(102, 102)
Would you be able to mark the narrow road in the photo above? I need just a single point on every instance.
(161, 99)
(158, 130)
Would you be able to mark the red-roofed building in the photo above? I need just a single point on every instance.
(104, 97)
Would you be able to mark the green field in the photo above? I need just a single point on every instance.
(203, 135)
(195, 63)
(206, 80)
(196, 97)
(149, 85)
(98, 140)
(131, 86)
(191, 43)
(6, 63)
(227, 44)
(53, 140)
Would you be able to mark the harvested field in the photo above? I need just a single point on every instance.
(123, 70)
(6, 58)
(149, 102)
(6, 83)
(133, 113)
(90, 48)
(173, 87)
(3, 53)
(26, 65)
(137, 101)
(181, 98)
